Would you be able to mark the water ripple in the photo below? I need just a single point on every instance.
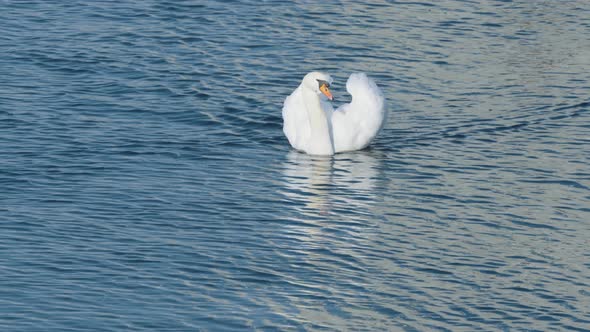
(147, 185)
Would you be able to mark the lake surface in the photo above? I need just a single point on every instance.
(146, 185)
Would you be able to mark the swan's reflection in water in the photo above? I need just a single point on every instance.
(343, 183)
(328, 227)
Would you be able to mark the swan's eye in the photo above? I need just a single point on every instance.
(322, 83)
(324, 88)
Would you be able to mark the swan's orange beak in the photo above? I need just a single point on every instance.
(326, 91)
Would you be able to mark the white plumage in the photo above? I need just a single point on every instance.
(311, 124)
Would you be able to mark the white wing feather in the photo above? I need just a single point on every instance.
(357, 123)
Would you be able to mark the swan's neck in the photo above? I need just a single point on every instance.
(320, 122)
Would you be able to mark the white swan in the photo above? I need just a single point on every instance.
(311, 124)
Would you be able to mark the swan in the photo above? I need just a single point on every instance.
(313, 126)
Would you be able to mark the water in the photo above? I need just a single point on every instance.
(146, 184)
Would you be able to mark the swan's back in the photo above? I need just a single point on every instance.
(356, 124)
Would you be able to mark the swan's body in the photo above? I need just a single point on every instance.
(311, 124)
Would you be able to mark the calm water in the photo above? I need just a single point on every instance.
(146, 185)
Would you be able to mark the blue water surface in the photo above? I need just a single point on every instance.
(146, 185)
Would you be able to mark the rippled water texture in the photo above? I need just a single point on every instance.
(146, 185)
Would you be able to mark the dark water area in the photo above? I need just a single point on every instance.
(146, 184)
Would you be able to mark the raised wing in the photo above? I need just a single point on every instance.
(355, 124)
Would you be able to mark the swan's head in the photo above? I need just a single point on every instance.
(319, 83)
